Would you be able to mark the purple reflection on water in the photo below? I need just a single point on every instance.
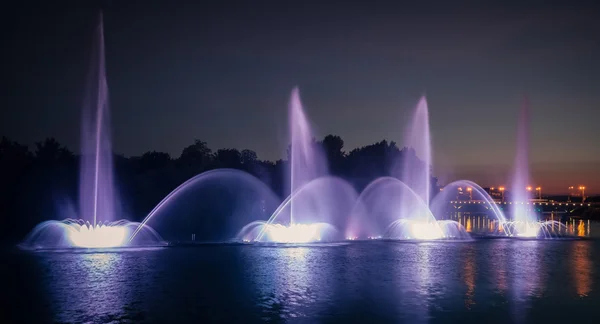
(496, 280)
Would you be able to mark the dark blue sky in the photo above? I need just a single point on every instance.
(223, 73)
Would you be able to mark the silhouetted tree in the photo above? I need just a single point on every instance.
(333, 147)
(249, 157)
(13, 153)
(370, 162)
(228, 158)
(197, 155)
(50, 152)
(154, 160)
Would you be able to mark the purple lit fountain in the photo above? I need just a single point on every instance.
(398, 208)
(525, 221)
(227, 205)
(98, 205)
(318, 206)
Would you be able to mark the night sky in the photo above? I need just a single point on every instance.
(223, 72)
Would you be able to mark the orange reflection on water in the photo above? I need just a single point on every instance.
(469, 226)
(581, 228)
(588, 228)
(582, 268)
(469, 273)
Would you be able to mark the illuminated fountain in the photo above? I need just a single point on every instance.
(227, 205)
(398, 208)
(525, 221)
(318, 206)
(97, 193)
(211, 207)
(481, 202)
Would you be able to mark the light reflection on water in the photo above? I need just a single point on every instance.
(286, 289)
(581, 267)
(96, 286)
(470, 282)
(527, 279)
(469, 274)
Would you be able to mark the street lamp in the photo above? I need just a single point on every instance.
(582, 188)
(539, 191)
(570, 193)
(470, 190)
(502, 192)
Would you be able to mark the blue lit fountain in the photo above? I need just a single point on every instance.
(98, 205)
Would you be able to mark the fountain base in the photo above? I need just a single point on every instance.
(294, 233)
(425, 230)
(100, 236)
(536, 230)
(76, 233)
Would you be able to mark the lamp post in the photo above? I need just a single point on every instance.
(528, 190)
(470, 191)
(539, 192)
(502, 192)
(570, 194)
(582, 188)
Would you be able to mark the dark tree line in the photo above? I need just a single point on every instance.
(34, 182)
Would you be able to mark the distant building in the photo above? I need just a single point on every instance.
(495, 193)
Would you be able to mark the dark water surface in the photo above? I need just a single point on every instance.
(485, 281)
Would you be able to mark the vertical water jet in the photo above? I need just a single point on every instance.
(521, 178)
(97, 194)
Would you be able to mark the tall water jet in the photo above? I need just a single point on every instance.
(318, 205)
(520, 182)
(306, 158)
(525, 221)
(96, 227)
(417, 172)
(401, 209)
(97, 196)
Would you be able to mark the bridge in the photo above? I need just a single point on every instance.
(542, 206)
